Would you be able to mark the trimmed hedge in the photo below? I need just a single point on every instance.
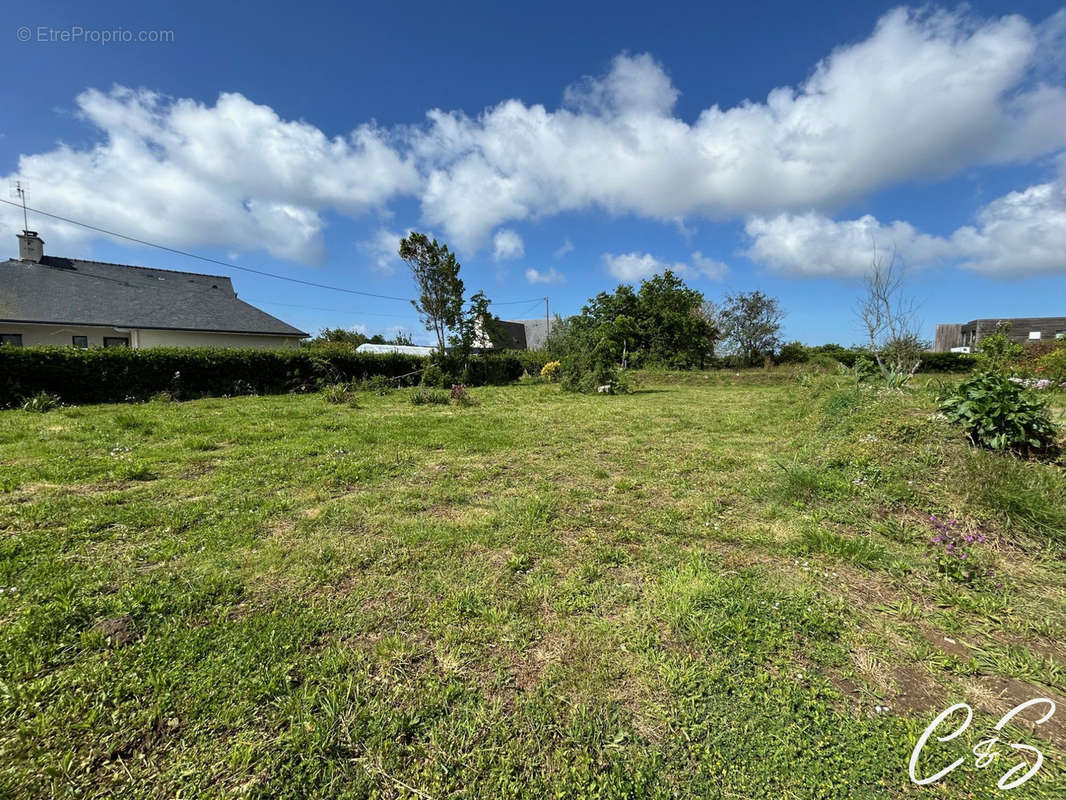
(116, 374)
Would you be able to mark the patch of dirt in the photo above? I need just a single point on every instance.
(117, 631)
(916, 692)
(997, 695)
(951, 645)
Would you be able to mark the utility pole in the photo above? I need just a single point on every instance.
(547, 321)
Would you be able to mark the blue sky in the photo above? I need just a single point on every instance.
(559, 149)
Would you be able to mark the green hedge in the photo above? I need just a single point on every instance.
(797, 353)
(116, 374)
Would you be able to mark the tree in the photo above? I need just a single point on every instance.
(436, 273)
(889, 317)
(403, 338)
(673, 328)
(668, 323)
(341, 336)
(750, 323)
(477, 326)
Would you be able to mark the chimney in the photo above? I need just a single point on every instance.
(31, 246)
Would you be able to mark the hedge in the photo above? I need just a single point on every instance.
(116, 374)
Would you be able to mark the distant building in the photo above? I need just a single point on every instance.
(521, 334)
(405, 349)
(965, 337)
(47, 300)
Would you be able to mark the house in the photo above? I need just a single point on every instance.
(47, 300)
(964, 337)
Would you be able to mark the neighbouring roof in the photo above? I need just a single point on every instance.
(536, 331)
(69, 291)
(510, 335)
(405, 349)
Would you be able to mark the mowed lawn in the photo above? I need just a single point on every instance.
(719, 586)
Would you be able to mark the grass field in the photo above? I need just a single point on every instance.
(719, 586)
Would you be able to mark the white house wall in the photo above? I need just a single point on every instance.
(62, 335)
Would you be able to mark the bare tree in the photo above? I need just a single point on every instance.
(890, 319)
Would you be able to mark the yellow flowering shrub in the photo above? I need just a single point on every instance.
(550, 371)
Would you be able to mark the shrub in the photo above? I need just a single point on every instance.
(41, 402)
(1052, 365)
(793, 353)
(997, 352)
(433, 376)
(432, 397)
(550, 371)
(460, 396)
(1000, 414)
(864, 369)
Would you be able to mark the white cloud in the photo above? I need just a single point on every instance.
(232, 175)
(566, 247)
(631, 267)
(507, 245)
(709, 267)
(925, 95)
(550, 276)
(383, 248)
(1020, 233)
(813, 244)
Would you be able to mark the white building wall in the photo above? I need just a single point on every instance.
(62, 335)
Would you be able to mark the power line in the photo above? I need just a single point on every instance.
(208, 260)
(334, 310)
(187, 254)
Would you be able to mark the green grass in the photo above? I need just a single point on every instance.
(708, 588)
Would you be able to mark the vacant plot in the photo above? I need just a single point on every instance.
(716, 587)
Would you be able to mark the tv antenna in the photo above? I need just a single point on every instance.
(18, 191)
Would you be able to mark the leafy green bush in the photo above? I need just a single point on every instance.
(793, 353)
(1052, 365)
(1000, 414)
(997, 352)
(433, 376)
(115, 374)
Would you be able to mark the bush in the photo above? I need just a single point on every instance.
(1000, 414)
(997, 352)
(1052, 365)
(793, 353)
(460, 396)
(550, 371)
(433, 376)
(115, 374)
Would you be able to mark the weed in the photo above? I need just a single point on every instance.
(41, 402)
(423, 396)
(859, 551)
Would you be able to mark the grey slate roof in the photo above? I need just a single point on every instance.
(69, 291)
(536, 332)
